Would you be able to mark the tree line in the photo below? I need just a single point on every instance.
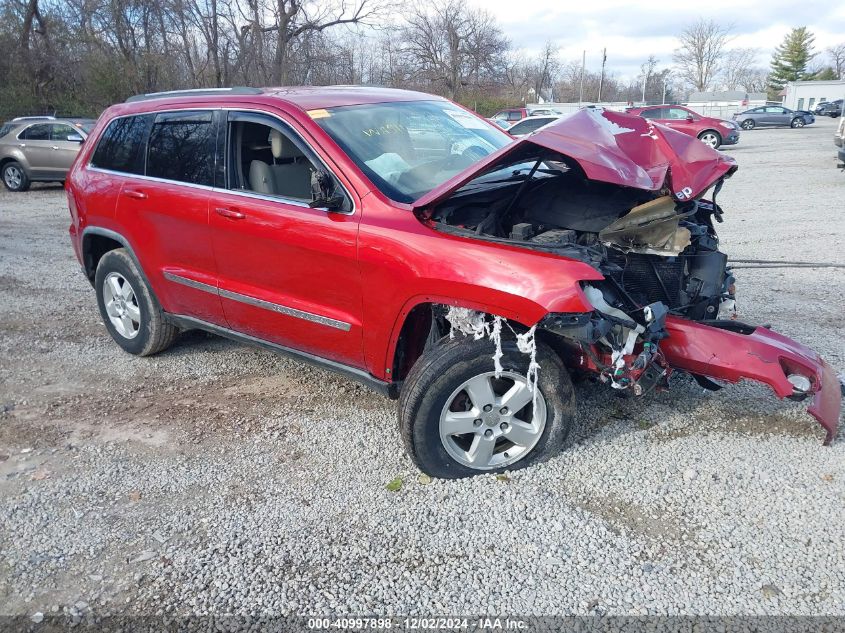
(79, 56)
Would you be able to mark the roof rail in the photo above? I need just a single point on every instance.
(196, 92)
(34, 118)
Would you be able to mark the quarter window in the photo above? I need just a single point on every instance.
(181, 147)
(121, 147)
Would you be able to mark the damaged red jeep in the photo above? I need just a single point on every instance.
(404, 241)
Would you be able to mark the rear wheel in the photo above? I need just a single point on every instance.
(129, 309)
(458, 419)
(711, 138)
(14, 177)
(797, 122)
(748, 124)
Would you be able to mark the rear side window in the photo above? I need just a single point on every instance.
(38, 132)
(121, 147)
(181, 147)
(5, 129)
(654, 113)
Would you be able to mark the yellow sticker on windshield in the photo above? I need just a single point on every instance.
(319, 114)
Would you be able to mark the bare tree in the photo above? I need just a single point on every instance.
(700, 52)
(736, 64)
(544, 69)
(837, 56)
(453, 45)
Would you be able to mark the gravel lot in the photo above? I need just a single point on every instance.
(217, 478)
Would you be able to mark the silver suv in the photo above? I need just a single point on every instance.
(39, 149)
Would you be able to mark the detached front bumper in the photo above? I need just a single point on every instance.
(755, 354)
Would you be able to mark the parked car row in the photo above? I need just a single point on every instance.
(39, 148)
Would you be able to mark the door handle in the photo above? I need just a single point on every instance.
(230, 213)
(55, 147)
(22, 145)
(134, 193)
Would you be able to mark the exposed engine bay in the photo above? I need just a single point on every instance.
(659, 256)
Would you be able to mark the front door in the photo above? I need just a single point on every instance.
(288, 273)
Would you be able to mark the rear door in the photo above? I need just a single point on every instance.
(288, 273)
(165, 212)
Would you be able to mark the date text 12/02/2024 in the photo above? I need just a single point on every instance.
(419, 623)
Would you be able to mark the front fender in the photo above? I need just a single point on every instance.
(404, 263)
(760, 355)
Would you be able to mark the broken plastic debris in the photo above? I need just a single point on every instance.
(473, 323)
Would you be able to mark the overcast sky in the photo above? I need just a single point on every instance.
(631, 32)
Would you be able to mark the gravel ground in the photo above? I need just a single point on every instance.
(216, 478)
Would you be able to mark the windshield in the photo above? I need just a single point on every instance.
(408, 148)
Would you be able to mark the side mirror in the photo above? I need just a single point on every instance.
(323, 192)
(74, 138)
(335, 203)
(690, 118)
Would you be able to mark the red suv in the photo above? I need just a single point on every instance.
(404, 241)
(712, 132)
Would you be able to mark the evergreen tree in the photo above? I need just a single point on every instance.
(789, 62)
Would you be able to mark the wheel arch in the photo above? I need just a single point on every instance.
(412, 330)
(96, 242)
(710, 129)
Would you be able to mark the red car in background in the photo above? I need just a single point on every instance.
(505, 118)
(402, 240)
(710, 131)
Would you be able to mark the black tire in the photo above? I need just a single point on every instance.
(443, 369)
(716, 138)
(797, 122)
(14, 177)
(154, 332)
(748, 124)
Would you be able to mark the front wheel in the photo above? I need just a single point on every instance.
(748, 124)
(14, 177)
(797, 122)
(458, 419)
(710, 138)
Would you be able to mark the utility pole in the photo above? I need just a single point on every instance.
(601, 77)
(665, 79)
(581, 89)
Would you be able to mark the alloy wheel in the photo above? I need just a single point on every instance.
(748, 124)
(13, 177)
(491, 422)
(122, 305)
(710, 139)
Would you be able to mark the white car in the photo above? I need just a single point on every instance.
(530, 124)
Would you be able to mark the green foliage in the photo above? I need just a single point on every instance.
(485, 104)
(790, 59)
(825, 74)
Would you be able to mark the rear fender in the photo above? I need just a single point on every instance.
(760, 355)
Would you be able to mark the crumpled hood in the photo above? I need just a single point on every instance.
(618, 148)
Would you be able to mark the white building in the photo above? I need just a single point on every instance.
(806, 95)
